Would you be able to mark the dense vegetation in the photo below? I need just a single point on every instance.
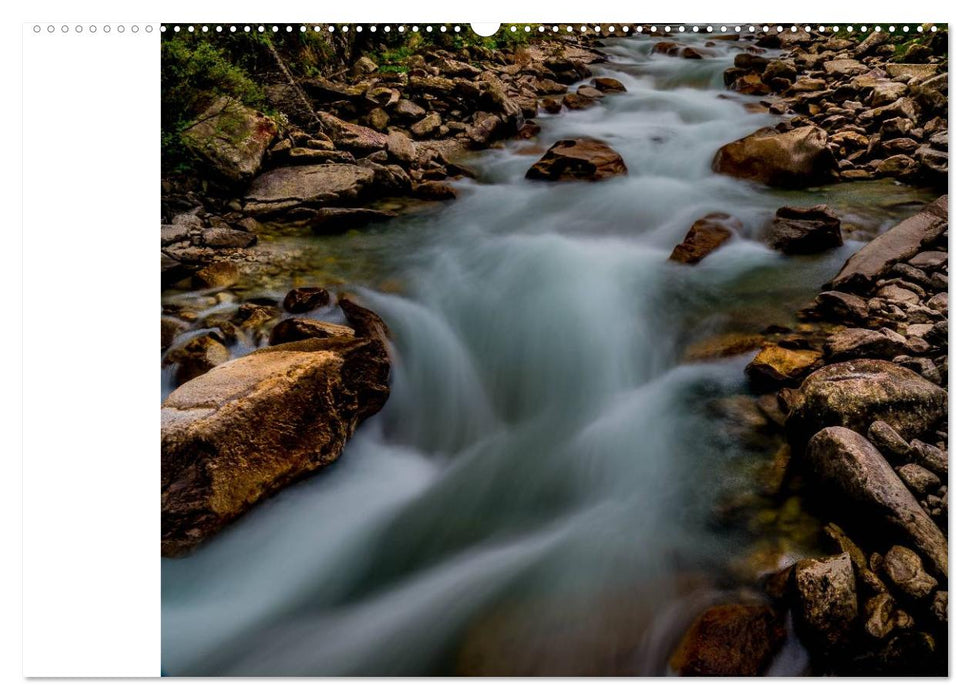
(196, 68)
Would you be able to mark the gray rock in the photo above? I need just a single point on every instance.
(900, 243)
(846, 461)
(854, 343)
(280, 189)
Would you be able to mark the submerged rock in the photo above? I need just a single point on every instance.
(730, 640)
(335, 220)
(578, 159)
(803, 230)
(796, 158)
(853, 394)
(848, 462)
(253, 425)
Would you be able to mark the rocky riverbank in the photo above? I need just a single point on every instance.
(348, 143)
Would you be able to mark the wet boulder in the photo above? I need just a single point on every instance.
(856, 393)
(222, 273)
(251, 426)
(705, 236)
(797, 158)
(846, 461)
(578, 159)
(230, 139)
(804, 230)
(730, 640)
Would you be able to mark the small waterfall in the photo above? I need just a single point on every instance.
(537, 491)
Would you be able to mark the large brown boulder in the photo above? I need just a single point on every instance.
(804, 230)
(231, 139)
(849, 463)
(705, 236)
(280, 189)
(874, 260)
(856, 393)
(730, 640)
(253, 425)
(578, 159)
(794, 158)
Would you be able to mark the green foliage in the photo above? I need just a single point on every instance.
(194, 72)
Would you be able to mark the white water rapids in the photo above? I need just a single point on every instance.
(535, 496)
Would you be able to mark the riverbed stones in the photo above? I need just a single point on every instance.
(733, 639)
(826, 601)
(335, 220)
(706, 235)
(578, 159)
(855, 393)
(846, 461)
(794, 158)
(902, 242)
(231, 139)
(222, 273)
(804, 230)
(249, 427)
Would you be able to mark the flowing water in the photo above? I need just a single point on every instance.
(537, 495)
